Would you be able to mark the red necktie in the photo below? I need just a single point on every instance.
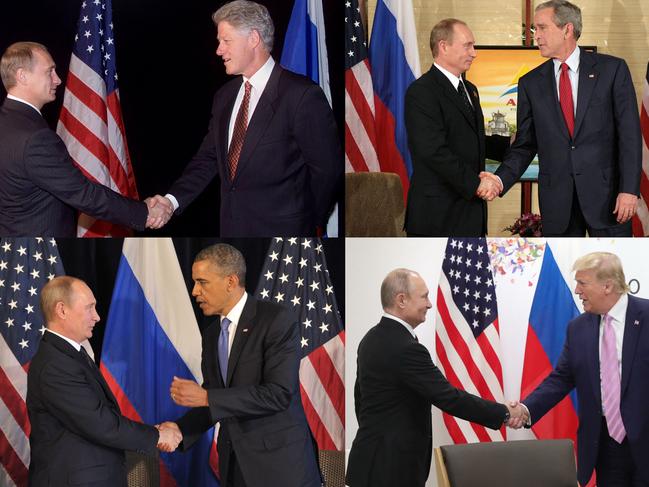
(565, 99)
(239, 133)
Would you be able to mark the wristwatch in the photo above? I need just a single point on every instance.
(507, 416)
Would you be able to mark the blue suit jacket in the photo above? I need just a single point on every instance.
(578, 366)
(604, 156)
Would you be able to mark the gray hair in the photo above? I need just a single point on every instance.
(16, 56)
(606, 266)
(227, 259)
(564, 13)
(245, 15)
(396, 282)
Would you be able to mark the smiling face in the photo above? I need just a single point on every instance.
(237, 49)
(457, 54)
(415, 304)
(38, 84)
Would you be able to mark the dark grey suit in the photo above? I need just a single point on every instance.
(40, 187)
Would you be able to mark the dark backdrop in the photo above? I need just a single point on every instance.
(96, 261)
(168, 73)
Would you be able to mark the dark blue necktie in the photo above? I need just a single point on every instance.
(224, 338)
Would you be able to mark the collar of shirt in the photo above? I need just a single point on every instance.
(259, 80)
(76, 345)
(455, 81)
(410, 329)
(15, 98)
(234, 316)
(572, 62)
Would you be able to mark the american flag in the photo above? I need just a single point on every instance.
(360, 131)
(90, 122)
(467, 337)
(26, 264)
(641, 220)
(295, 275)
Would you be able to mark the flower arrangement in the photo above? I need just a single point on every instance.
(528, 225)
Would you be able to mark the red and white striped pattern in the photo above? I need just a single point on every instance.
(322, 386)
(14, 423)
(641, 219)
(468, 363)
(91, 126)
(360, 132)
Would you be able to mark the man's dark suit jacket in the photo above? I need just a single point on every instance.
(448, 148)
(578, 366)
(396, 383)
(604, 156)
(290, 165)
(262, 420)
(78, 434)
(40, 187)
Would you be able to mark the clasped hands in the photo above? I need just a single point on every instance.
(170, 436)
(160, 211)
(490, 186)
(518, 415)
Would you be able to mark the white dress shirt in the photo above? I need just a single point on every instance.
(234, 316)
(455, 81)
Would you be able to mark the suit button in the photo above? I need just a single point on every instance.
(572, 147)
(233, 188)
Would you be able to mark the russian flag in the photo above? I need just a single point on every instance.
(553, 307)
(394, 60)
(305, 53)
(151, 336)
(305, 48)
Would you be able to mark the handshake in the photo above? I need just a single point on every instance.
(490, 186)
(519, 416)
(170, 436)
(160, 211)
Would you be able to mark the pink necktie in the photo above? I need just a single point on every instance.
(239, 133)
(565, 99)
(610, 371)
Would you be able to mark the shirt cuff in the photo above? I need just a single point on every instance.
(173, 200)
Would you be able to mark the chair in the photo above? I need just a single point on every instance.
(332, 465)
(142, 470)
(373, 205)
(528, 463)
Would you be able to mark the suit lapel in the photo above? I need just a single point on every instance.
(549, 85)
(260, 120)
(453, 96)
(69, 350)
(587, 80)
(632, 326)
(244, 329)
